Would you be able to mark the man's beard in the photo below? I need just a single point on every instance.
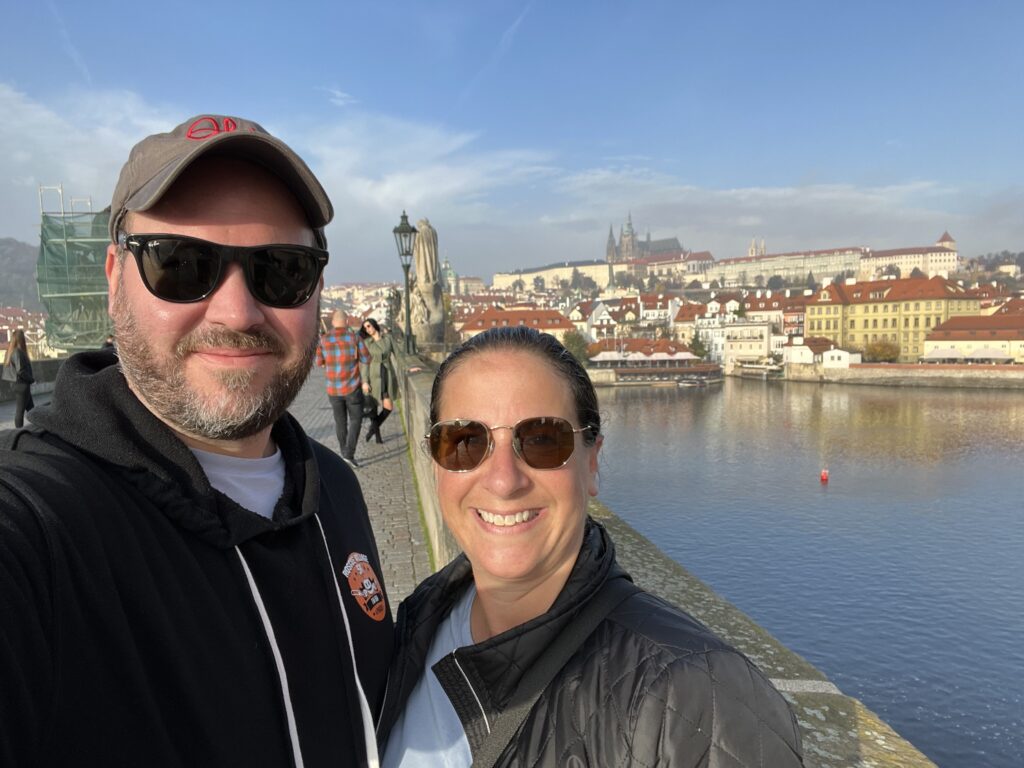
(234, 412)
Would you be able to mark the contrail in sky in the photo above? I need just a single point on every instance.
(504, 45)
(69, 47)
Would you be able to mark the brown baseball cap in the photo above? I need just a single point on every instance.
(158, 160)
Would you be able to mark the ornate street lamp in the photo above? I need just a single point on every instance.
(405, 239)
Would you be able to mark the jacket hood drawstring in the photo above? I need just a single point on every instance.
(369, 737)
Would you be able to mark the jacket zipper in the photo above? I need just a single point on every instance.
(383, 704)
(476, 698)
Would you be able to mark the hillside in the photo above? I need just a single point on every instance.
(18, 274)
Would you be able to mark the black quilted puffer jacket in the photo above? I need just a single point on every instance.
(651, 686)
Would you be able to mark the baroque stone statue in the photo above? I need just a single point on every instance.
(426, 297)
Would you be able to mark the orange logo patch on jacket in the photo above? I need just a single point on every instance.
(365, 586)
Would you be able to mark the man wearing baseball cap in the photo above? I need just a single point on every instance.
(186, 579)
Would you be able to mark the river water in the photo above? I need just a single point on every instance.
(902, 579)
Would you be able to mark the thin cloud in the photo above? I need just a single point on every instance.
(495, 210)
(338, 97)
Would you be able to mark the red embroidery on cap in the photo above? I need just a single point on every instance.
(206, 127)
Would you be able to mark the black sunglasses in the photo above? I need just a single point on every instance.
(186, 269)
(543, 442)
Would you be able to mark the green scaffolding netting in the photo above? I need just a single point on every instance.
(71, 277)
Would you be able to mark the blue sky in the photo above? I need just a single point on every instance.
(523, 129)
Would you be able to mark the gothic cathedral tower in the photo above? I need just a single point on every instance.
(629, 248)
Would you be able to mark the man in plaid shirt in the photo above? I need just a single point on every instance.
(344, 356)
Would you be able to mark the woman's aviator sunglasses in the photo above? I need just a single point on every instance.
(186, 269)
(543, 442)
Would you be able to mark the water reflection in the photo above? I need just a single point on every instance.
(883, 578)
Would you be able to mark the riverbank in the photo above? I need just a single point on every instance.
(838, 731)
(911, 375)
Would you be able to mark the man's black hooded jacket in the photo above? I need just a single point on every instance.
(146, 619)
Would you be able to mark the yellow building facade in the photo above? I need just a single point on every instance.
(903, 312)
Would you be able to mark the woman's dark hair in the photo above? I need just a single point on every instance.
(362, 327)
(520, 338)
(17, 342)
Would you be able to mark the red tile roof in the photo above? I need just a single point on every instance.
(541, 319)
(817, 344)
(919, 251)
(631, 345)
(687, 313)
(906, 289)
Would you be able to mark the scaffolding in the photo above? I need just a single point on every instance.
(71, 272)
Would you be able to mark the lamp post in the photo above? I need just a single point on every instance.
(405, 238)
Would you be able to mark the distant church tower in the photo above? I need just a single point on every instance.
(946, 241)
(629, 248)
(611, 253)
(449, 279)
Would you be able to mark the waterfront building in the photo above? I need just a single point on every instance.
(853, 314)
(805, 350)
(715, 330)
(747, 342)
(995, 338)
(639, 353)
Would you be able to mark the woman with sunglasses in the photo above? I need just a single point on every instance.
(380, 375)
(629, 681)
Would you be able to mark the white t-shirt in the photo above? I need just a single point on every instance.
(255, 484)
(428, 733)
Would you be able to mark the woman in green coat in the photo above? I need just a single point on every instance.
(380, 375)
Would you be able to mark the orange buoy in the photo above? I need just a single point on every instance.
(824, 476)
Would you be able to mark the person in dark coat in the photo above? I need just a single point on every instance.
(515, 437)
(18, 360)
(186, 577)
(380, 376)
